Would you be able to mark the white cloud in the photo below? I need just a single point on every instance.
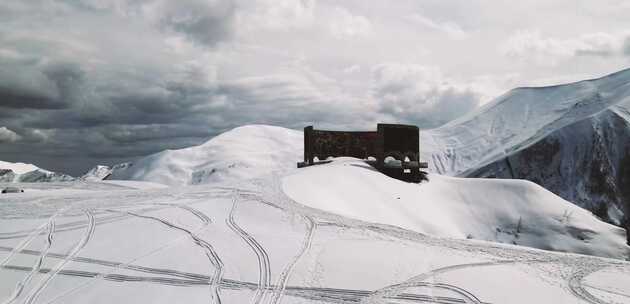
(421, 95)
(280, 15)
(531, 45)
(355, 68)
(345, 25)
(7, 135)
(449, 28)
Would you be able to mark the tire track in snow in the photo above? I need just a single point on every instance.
(75, 225)
(20, 285)
(205, 219)
(608, 291)
(25, 242)
(394, 290)
(32, 235)
(213, 257)
(200, 215)
(116, 265)
(281, 285)
(264, 272)
(86, 238)
(576, 286)
(313, 293)
(128, 265)
(63, 227)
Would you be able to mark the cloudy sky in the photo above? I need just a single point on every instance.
(85, 82)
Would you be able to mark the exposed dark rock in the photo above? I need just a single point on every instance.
(587, 163)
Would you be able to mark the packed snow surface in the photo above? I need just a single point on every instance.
(248, 242)
(507, 211)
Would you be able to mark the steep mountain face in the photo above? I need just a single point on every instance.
(517, 120)
(587, 163)
(28, 173)
(572, 139)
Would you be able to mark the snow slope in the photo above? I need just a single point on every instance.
(247, 242)
(21, 172)
(586, 163)
(244, 152)
(262, 151)
(516, 120)
(507, 211)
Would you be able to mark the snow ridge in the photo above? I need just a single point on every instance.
(516, 120)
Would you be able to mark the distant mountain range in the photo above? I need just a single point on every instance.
(29, 173)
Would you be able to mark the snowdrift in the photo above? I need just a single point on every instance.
(507, 211)
(242, 153)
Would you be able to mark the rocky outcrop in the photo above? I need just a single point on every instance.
(587, 163)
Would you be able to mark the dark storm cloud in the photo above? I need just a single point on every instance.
(69, 89)
(39, 87)
(118, 115)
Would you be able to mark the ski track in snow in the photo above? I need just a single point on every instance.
(314, 293)
(26, 241)
(263, 289)
(576, 285)
(51, 275)
(283, 280)
(40, 260)
(213, 257)
(264, 277)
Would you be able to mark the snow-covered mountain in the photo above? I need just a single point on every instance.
(519, 212)
(242, 153)
(587, 163)
(101, 172)
(505, 211)
(572, 139)
(517, 120)
(29, 173)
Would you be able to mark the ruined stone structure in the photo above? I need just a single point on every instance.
(392, 149)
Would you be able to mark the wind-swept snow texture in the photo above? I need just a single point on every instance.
(245, 152)
(506, 211)
(247, 242)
